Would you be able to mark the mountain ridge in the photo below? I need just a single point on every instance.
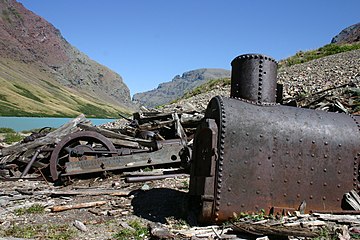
(178, 86)
(26, 38)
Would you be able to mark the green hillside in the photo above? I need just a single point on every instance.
(26, 90)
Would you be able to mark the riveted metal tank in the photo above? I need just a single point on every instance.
(250, 155)
(253, 77)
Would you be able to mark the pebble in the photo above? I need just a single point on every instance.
(79, 225)
(145, 187)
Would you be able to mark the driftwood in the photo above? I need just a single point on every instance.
(77, 206)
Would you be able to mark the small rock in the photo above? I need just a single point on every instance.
(6, 224)
(79, 225)
(124, 213)
(263, 238)
(159, 232)
(115, 184)
(145, 187)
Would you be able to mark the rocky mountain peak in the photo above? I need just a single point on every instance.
(348, 35)
(178, 86)
(28, 38)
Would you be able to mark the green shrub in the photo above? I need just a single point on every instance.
(6, 130)
(12, 137)
(137, 232)
(41, 231)
(34, 209)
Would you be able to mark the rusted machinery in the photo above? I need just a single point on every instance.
(251, 153)
(87, 152)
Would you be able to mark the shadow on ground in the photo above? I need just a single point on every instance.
(158, 204)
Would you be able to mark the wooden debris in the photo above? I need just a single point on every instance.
(354, 219)
(89, 192)
(353, 199)
(77, 206)
(271, 230)
(209, 232)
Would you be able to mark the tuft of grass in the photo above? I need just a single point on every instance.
(137, 232)
(6, 130)
(326, 233)
(329, 49)
(185, 184)
(41, 231)
(12, 137)
(254, 216)
(21, 231)
(34, 209)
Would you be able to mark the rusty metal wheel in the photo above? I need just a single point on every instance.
(79, 146)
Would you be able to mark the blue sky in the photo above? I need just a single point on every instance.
(150, 41)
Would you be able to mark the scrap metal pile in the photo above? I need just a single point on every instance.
(148, 140)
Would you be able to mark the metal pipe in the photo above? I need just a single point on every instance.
(28, 166)
(151, 178)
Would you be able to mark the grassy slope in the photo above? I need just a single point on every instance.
(27, 91)
(329, 49)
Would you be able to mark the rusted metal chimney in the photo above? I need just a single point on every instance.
(253, 77)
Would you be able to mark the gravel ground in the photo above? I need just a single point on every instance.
(162, 201)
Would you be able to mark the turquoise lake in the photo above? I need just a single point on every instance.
(28, 123)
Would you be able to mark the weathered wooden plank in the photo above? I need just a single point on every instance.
(77, 206)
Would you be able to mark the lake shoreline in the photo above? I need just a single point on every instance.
(19, 124)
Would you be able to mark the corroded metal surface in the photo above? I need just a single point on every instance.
(167, 154)
(253, 77)
(81, 142)
(203, 168)
(272, 157)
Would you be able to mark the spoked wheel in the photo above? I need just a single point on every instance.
(79, 146)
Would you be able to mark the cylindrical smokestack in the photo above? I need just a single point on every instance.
(253, 77)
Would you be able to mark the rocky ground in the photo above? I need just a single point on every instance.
(28, 208)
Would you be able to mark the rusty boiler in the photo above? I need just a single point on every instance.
(252, 154)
